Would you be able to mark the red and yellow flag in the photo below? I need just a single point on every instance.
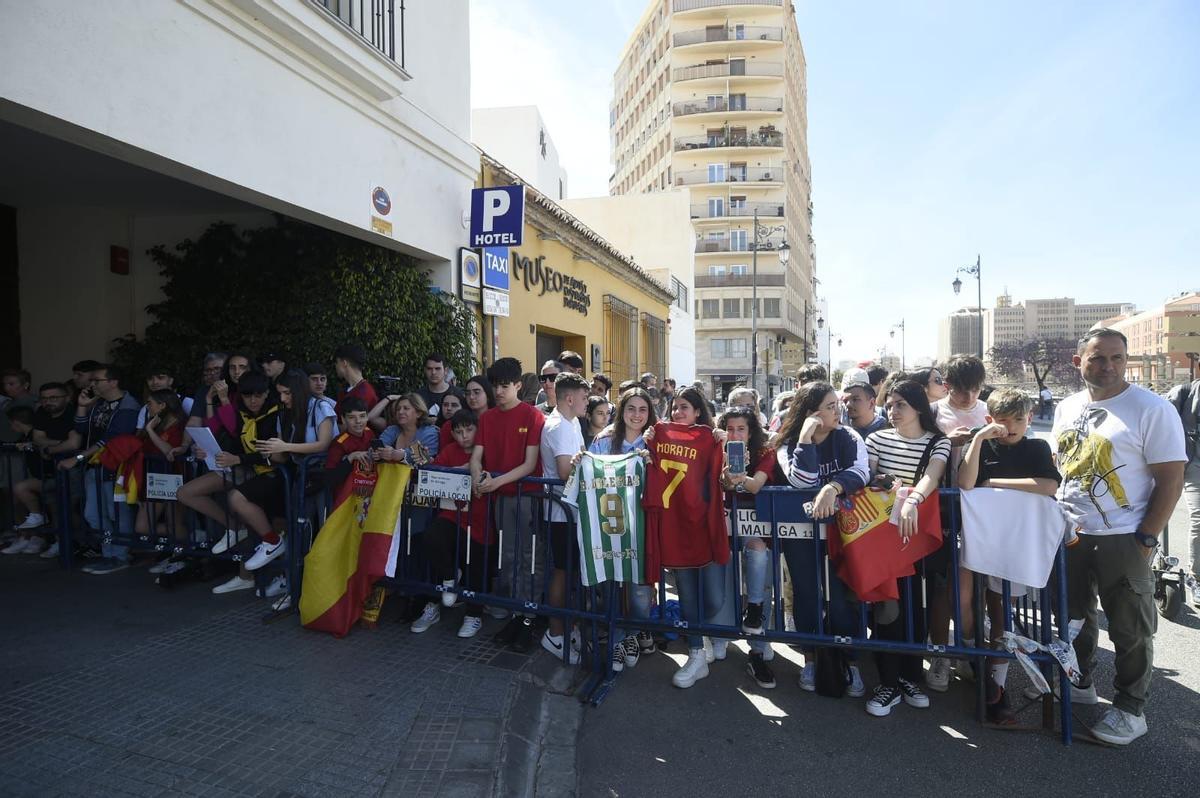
(125, 456)
(867, 549)
(351, 553)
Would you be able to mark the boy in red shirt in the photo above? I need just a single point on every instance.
(350, 447)
(506, 451)
(449, 552)
(349, 361)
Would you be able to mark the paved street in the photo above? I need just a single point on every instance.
(728, 736)
(112, 686)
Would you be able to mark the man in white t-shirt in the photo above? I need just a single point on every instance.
(562, 439)
(1121, 453)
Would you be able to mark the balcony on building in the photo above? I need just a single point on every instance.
(740, 280)
(735, 68)
(765, 136)
(733, 35)
(695, 6)
(379, 24)
(732, 104)
(716, 173)
(721, 208)
(736, 241)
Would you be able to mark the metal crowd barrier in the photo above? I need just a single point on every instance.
(526, 553)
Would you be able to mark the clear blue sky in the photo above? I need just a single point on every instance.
(1060, 141)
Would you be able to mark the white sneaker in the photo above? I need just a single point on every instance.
(554, 644)
(234, 584)
(51, 552)
(709, 655)
(282, 603)
(720, 649)
(449, 597)
(618, 658)
(428, 618)
(808, 679)
(938, 675)
(159, 566)
(1119, 727)
(16, 547)
(470, 626)
(34, 545)
(277, 587)
(632, 651)
(231, 538)
(856, 688)
(912, 695)
(32, 521)
(264, 553)
(695, 668)
(1079, 695)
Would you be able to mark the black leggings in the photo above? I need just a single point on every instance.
(446, 549)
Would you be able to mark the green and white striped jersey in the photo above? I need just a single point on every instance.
(606, 489)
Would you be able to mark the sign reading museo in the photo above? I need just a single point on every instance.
(497, 216)
(536, 276)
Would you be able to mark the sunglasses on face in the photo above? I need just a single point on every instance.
(547, 377)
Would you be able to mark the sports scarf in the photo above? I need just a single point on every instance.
(249, 434)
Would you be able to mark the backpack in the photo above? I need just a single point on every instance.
(1184, 398)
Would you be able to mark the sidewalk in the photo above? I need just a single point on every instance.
(113, 686)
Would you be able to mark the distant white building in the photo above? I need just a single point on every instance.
(517, 137)
(664, 247)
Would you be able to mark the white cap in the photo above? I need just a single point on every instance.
(851, 376)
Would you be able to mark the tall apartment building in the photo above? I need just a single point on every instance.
(1060, 317)
(958, 334)
(710, 95)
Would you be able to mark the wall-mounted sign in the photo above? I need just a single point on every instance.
(495, 267)
(497, 216)
(495, 303)
(381, 210)
(537, 277)
(469, 274)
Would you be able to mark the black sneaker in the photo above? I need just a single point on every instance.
(882, 700)
(913, 695)
(760, 672)
(752, 620)
(509, 632)
(646, 641)
(522, 643)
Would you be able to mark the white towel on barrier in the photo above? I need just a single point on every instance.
(1011, 534)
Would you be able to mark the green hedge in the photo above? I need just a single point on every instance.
(300, 289)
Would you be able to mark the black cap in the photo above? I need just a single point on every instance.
(271, 354)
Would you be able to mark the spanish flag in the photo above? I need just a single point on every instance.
(125, 456)
(867, 549)
(351, 552)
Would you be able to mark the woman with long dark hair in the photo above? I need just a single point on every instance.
(816, 451)
(635, 414)
(596, 419)
(915, 452)
(162, 437)
(933, 383)
(742, 424)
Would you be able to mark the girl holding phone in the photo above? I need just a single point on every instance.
(749, 464)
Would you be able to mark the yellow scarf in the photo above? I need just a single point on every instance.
(250, 435)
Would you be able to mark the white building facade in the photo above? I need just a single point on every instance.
(518, 138)
(129, 124)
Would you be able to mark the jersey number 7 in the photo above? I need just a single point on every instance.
(680, 470)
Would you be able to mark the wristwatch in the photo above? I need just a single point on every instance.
(1149, 541)
(78, 458)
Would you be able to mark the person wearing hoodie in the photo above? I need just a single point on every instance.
(103, 411)
(816, 451)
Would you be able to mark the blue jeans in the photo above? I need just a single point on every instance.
(712, 585)
(806, 564)
(756, 573)
(99, 513)
(640, 597)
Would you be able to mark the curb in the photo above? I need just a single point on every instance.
(538, 744)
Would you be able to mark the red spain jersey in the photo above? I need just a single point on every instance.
(685, 516)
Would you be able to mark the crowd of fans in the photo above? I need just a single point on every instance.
(923, 429)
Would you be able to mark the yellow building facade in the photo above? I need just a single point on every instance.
(570, 289)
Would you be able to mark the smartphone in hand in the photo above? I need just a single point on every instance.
(735, 454)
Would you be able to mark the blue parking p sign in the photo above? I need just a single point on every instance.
(497, 216)
(495, 267)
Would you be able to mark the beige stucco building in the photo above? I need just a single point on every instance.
(1164, 342)
(710, 95)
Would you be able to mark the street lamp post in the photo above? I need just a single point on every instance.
(976, 272)
(761, 232)
(829, 338)
(892, 334)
